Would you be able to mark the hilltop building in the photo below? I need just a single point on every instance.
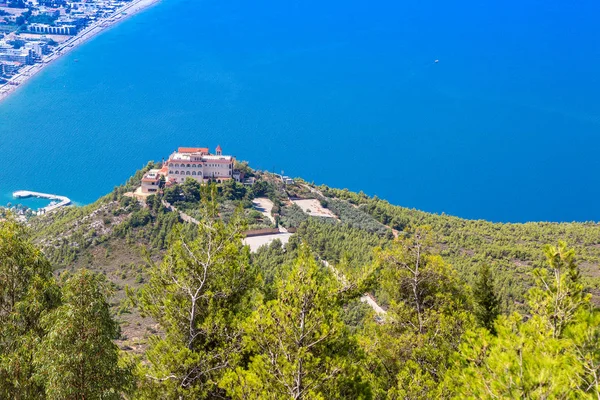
(197, 163)
(189, 162)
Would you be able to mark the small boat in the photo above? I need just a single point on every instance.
(436, 61)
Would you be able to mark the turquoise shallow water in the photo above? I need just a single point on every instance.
(31, 202)
(505, 127)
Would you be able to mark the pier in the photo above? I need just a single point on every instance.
(62, 200)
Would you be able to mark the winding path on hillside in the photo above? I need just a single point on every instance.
(265, 207)
(366, 298)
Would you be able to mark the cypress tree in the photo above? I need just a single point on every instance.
(487, 302)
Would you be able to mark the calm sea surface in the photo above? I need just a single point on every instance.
(505, 127)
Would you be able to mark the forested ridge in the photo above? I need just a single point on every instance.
(122, 299)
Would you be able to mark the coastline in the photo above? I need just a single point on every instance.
(17, 81)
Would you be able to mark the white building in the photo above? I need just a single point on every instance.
(36, 48)
(151, 181)
(22, 55)
(53, 30)
(197, 163)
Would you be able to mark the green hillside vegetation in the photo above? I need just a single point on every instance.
(122, 299)
(511, 250)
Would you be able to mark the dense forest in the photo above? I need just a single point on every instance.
(122, 299)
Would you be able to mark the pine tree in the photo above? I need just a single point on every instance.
(523, 361)
(487, 303)
(298, 344)
(559, 292)
(410, 351)
(552, 354)
(27, 293)
(197, 295)
(78, 359)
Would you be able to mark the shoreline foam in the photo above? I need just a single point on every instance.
(67, 46)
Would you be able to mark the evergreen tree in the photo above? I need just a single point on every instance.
(27, 293)
(487, 303)
(299, 347)
(558, 293)
(523, 361)
(197, 295)
(78, 359)
(410, 350)
(552, 354)
(272, 261)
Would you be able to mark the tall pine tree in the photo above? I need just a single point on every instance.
(197, 294)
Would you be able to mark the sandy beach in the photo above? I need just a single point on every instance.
(65, 47)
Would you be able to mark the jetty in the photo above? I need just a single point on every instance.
(61, 200)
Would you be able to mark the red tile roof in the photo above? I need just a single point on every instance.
(202, 150)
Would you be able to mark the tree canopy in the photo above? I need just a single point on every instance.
(197, 295)
(373, 301)
(298, 345)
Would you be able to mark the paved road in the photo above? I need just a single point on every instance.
(255, 242)
(265, 206)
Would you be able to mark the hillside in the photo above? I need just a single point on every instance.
(110, 236)
(250, 291)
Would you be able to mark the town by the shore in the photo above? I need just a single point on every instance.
(29, 69)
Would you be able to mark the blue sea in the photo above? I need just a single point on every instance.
(505, 127)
